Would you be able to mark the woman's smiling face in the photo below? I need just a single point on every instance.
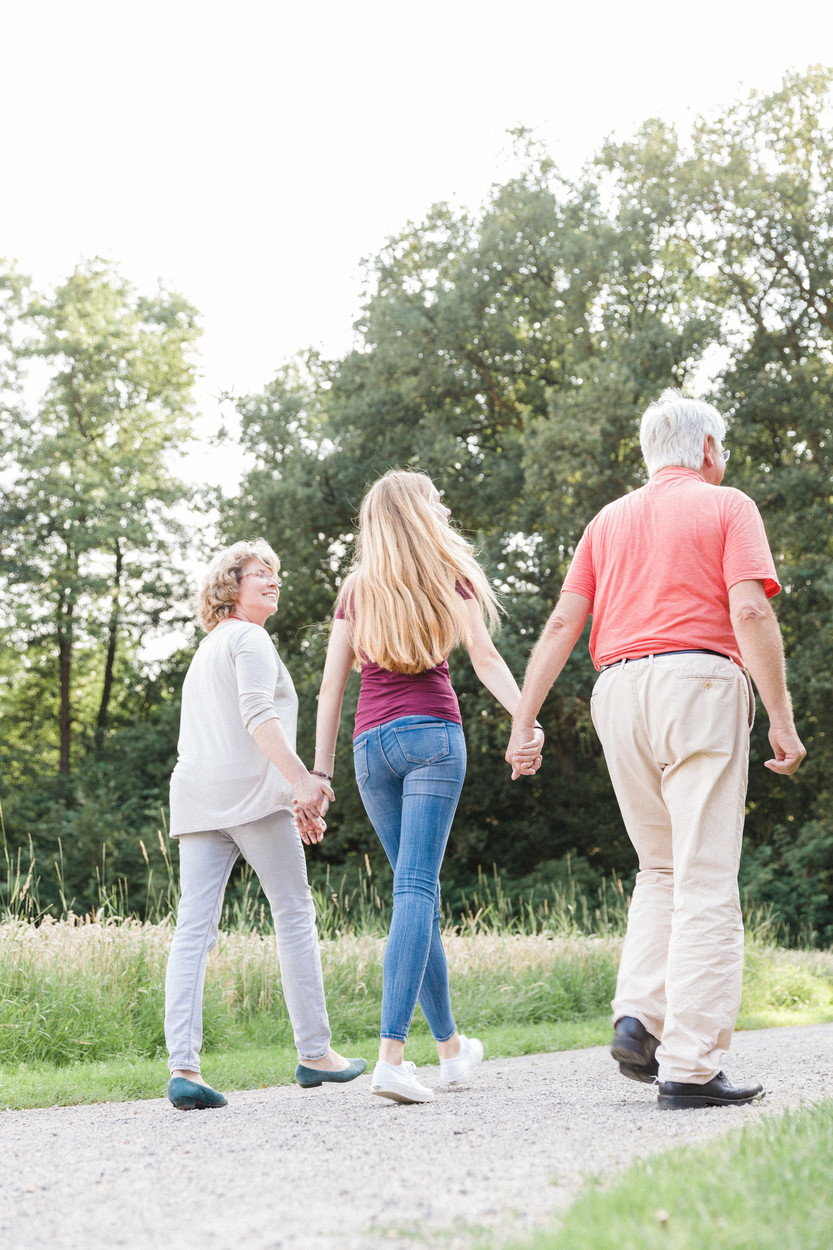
(259, 592)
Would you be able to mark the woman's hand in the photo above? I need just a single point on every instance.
(309, 824)
(313, 796)
(313, 793)
(526, 758)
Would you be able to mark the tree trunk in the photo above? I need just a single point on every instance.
(65, 612)
(112, 634)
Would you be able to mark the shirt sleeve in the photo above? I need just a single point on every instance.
(581, 576)
(746, 553)
(255, 665)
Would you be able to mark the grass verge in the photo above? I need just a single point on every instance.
(81, 1002)
(766, 1187)
(131, 1076)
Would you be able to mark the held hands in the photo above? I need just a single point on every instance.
(313, 796)
(310, 827)
(524, 750)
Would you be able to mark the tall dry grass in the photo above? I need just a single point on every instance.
(94, 987)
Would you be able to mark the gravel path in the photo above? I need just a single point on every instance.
(336, 1169)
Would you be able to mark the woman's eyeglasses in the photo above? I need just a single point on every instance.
(263, 575)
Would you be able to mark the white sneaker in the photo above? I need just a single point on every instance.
(399, 1083)
(457, 1071)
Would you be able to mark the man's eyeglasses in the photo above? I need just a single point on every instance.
(263, 575)
(725, 455)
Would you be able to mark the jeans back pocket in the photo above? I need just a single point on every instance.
(423, 743)
(360, 761)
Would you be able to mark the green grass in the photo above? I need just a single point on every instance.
(82, 999)
(766, 1187)
(81, 1002)
(130, 1076)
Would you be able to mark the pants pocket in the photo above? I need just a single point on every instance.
(423, 743)
(360, 762)
(751, 694)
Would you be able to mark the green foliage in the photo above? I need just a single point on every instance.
(88, 559)
(90, 565)
(507, 352)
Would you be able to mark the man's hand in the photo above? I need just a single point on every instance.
(788, 747)
(524, 750)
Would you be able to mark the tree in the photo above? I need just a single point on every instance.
(89, 537)
(509, 354)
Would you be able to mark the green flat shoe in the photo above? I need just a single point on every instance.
(309, 1078)
(189, 1096)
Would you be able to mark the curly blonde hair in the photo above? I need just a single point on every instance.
(401, 597)
(217, 597)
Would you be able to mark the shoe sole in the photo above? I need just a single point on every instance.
(643, 1075)
(400, 1096)
(190, 1104)
(685, 1102)
(634, 1063)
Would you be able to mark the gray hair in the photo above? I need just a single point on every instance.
(673, 429)
(217, 596)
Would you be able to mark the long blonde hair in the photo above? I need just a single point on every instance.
(401, 597)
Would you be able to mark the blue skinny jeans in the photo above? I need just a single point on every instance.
(410, 773)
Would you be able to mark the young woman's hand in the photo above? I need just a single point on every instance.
(526, 758)
(310, 825)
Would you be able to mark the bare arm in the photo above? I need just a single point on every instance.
(337, 667)
(312, 793)
(759, 638)
(488, 663)
(561, 633)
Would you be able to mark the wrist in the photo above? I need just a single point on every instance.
(318, 772)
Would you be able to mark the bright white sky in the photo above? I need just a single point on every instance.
(249, 154)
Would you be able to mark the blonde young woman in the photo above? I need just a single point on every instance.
(414, 591)
(232, 792)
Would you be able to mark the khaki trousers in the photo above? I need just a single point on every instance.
(675, 733)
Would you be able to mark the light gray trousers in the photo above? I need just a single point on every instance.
(274, 850)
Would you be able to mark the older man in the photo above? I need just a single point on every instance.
(677, 575)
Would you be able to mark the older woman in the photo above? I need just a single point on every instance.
(232, 792)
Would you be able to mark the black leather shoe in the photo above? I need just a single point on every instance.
(634, 1049)
(718, 1092)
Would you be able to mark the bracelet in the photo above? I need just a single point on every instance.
(321, 751)
(314, 772)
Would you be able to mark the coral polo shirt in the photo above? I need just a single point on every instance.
(657, 566)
